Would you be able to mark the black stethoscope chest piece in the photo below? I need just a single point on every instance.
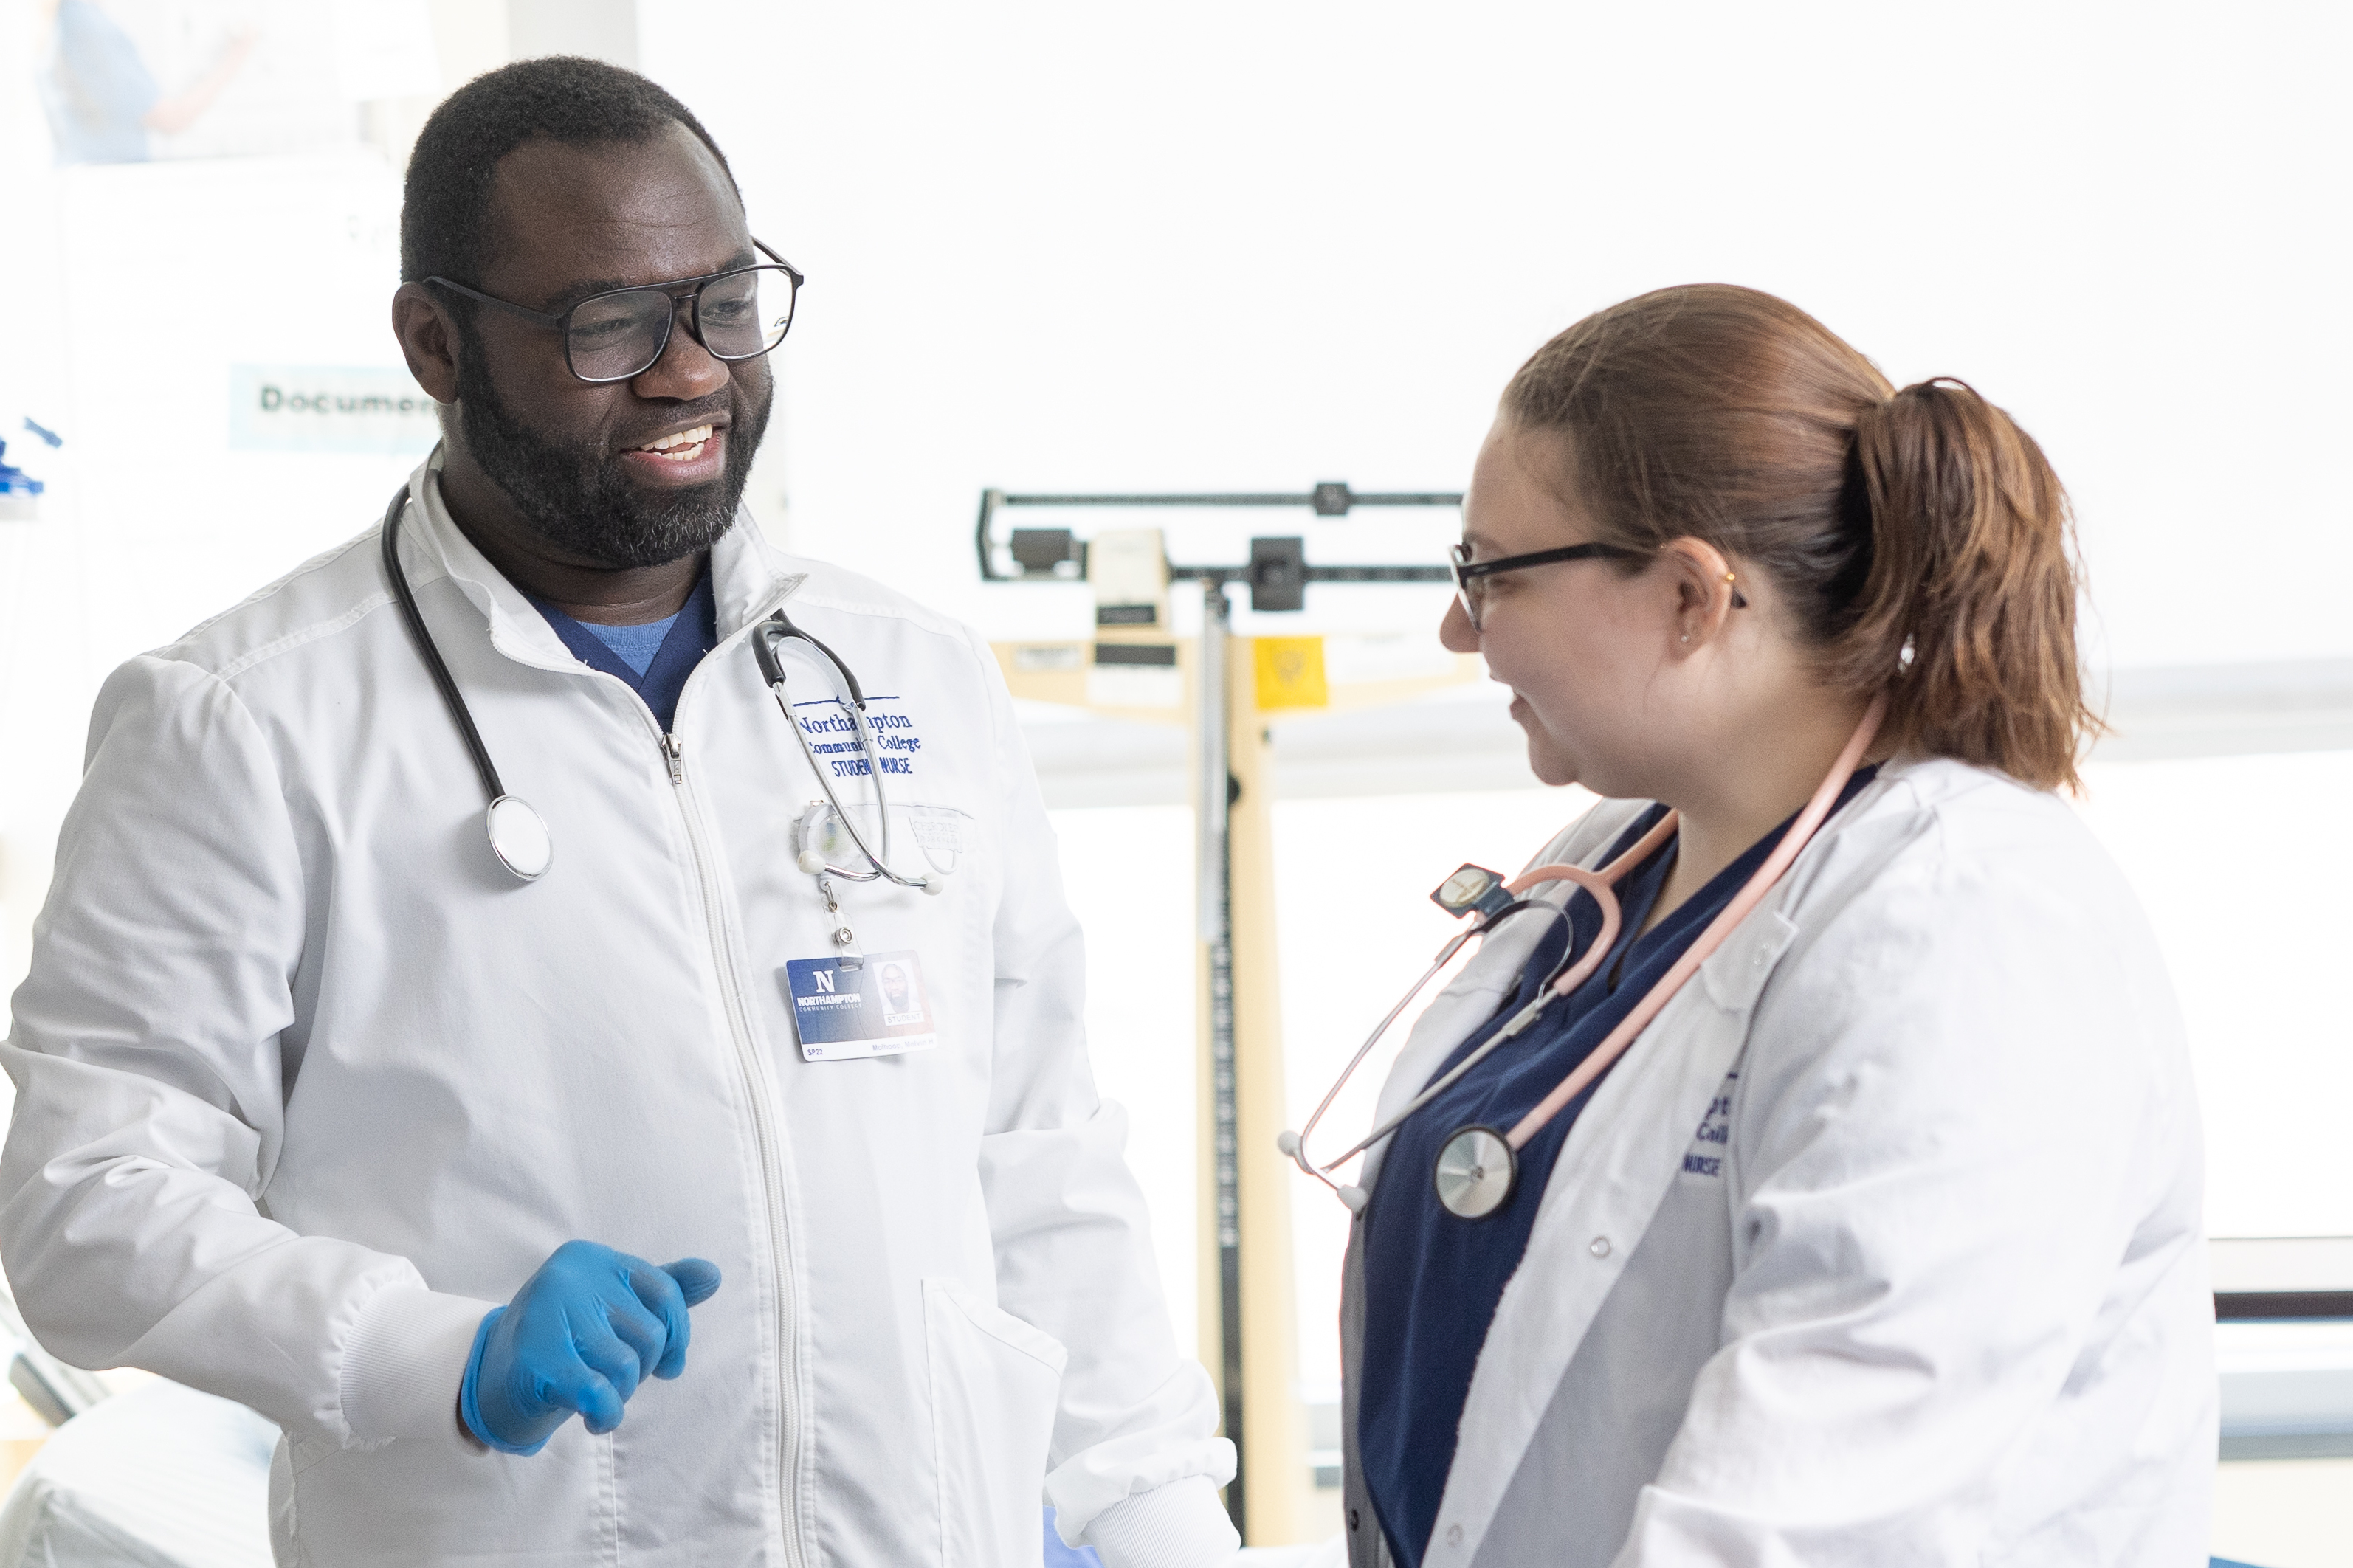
(1474, 1174)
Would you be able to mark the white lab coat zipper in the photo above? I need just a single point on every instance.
(770, 1140)
(758, 1090)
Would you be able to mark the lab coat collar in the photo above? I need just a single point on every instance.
(748, 577)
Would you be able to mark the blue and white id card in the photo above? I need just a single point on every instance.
(878, 1009)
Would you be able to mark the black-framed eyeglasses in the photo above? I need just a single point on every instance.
(620, 334)
(1471, 576)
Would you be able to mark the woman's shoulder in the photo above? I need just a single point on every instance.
(1946, 892)
(1968, 903)
(1964, 832)
(1969, 970)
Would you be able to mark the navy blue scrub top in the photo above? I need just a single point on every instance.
(693, 632)
(1431, 1280)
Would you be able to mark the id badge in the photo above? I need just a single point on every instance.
(878, 1009)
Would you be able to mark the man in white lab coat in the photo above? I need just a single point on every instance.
(324, 1109)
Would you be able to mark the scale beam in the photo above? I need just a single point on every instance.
(1047, 549)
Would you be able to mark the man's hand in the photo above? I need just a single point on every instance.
(580, 1335)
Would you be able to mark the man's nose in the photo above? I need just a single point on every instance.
(686, 370)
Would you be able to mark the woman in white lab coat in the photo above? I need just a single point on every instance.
(1880, 1244)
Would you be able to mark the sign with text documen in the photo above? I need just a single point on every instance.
(329, 408)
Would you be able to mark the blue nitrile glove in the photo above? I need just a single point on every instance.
(579, 1335)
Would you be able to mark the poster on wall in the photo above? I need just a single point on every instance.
(329, 408)
(136, 81)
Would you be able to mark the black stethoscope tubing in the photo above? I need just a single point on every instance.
(518, 835)
(426, 649)
(778, 628)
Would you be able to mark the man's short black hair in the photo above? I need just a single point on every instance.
(445, 207)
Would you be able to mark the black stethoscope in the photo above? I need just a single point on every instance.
(518, 835)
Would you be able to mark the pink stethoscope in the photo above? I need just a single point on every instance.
(1478, 1166)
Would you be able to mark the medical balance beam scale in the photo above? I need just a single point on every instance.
(1224, 689)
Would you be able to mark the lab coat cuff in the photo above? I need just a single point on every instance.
(1179, 1525)
(402, 1363)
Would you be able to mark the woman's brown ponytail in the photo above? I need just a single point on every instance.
(1919, 539)
(1970, 598)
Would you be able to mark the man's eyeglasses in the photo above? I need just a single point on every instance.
(1471, 576)
(735, 315)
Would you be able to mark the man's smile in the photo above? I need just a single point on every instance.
(689, 455)
(679, 445)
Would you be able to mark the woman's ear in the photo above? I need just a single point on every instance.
(1707, 591)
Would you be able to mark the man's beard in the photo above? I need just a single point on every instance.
(575, 496)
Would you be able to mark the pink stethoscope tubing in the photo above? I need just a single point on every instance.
(1471, 1162)
(1601, 884)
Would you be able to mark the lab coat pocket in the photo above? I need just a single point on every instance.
(924, 840)
(996, 1381)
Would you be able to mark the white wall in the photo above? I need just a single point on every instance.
(1230, 245)
(1056, 244)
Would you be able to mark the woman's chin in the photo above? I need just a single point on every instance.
(1558, 778)
(1544, 758)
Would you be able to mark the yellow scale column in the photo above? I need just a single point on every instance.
(1285, 672)
(1263, 675)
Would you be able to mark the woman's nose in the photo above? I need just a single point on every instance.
(1455, 632)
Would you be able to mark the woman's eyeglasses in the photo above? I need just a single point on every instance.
(1471, 576)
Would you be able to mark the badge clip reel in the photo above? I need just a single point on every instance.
(810, 834)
